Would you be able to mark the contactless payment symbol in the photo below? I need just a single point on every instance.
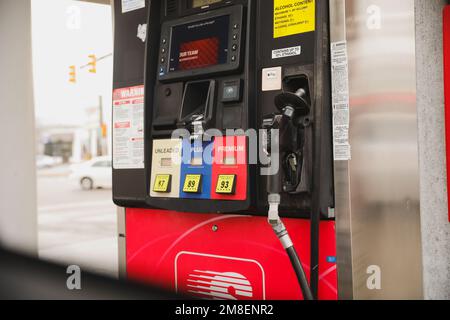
(226, 184)
(192, 183)
(162, 183)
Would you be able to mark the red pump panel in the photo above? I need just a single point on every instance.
(447, 86)
(224, 256)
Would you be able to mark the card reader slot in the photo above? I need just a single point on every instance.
(198, 102)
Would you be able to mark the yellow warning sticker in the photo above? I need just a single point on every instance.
(192, 183)
(293, 17)
(226, 184)
(162, 183)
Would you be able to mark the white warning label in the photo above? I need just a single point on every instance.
(341, 101)
(131, 5)
(128, 130)
(286, 52)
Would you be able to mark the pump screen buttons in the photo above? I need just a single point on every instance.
(192, 183)
(226, 184)
(163, 183)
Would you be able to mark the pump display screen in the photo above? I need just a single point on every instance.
(199, 44)
(202, 3)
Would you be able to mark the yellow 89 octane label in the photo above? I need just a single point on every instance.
(226, 184)
(162, 183)
(192, 183)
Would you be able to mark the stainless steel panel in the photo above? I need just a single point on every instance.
(377, 192)
(121, 226)
(342, 181)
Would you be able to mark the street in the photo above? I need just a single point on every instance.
(76, 227)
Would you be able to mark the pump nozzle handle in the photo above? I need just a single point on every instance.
(296, 100)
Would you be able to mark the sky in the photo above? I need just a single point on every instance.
(65, 33)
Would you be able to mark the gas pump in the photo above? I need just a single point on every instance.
(215, 85)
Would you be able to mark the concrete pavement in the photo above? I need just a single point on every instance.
(76, 227)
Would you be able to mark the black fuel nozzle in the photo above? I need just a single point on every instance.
(272, 125)
(293, 104)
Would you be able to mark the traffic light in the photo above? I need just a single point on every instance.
(104, 130)
(93, 63)
(73, 74)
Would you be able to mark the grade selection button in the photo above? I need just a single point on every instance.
(192, 183)
(226, 184)
(163, 183)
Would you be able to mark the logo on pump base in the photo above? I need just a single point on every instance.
(216, 285)
(210, 277)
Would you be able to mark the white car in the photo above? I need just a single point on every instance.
(96, 173)
(45, 162)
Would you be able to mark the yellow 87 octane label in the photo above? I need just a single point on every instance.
(226, 184)
(192, 183)
(162, 183)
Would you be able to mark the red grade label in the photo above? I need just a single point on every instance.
(230, 158)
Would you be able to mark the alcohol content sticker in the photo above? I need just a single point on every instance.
(286, 52)
(292, 17)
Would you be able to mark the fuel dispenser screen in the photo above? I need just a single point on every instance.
(200, 44)
(202, 3)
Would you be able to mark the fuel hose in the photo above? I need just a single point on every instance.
(283, 235)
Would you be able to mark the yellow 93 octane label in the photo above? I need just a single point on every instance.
(162, 183)
(192, 183)
(226, 184)
(293, 17)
